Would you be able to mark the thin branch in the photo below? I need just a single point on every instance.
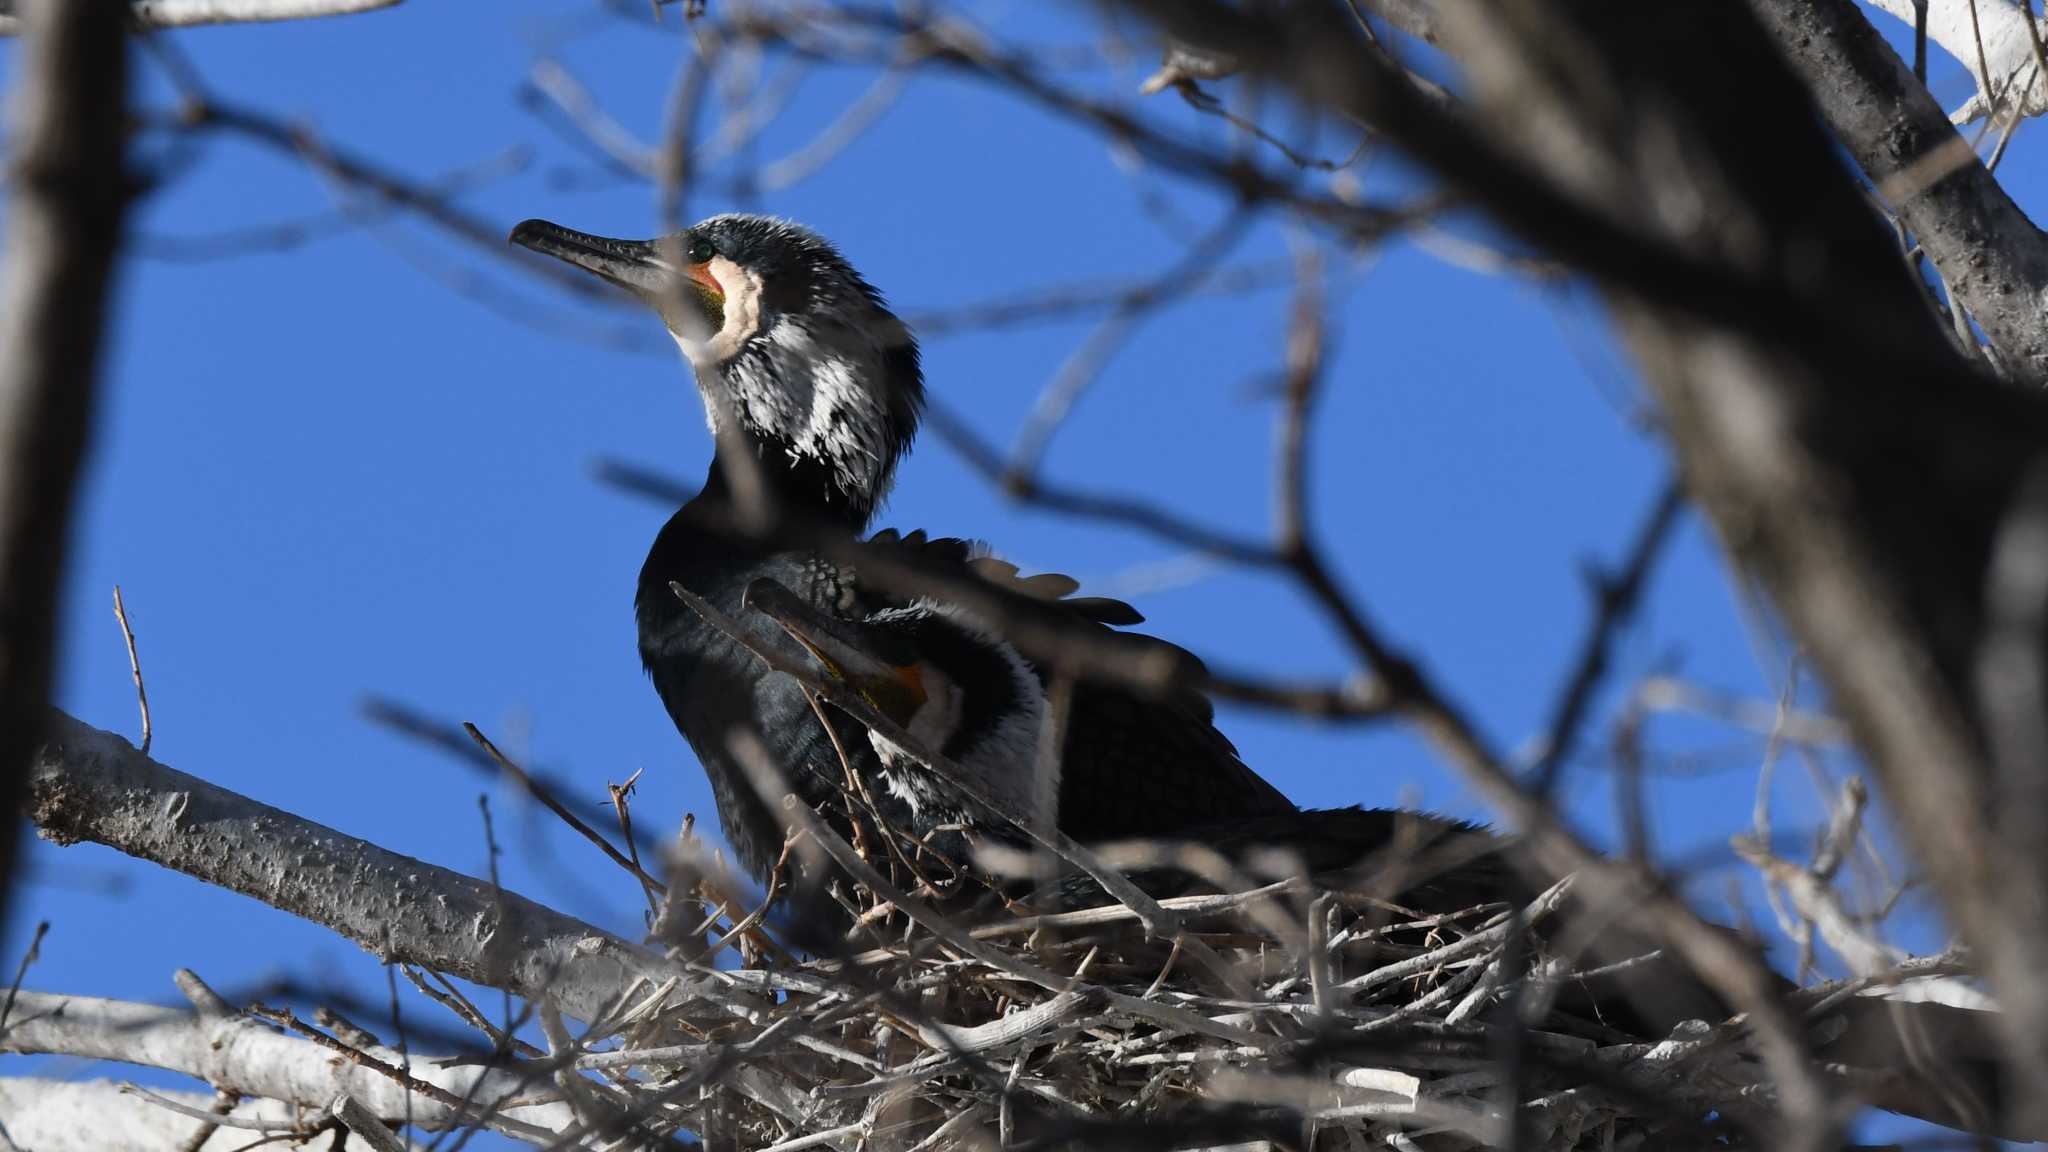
(611, 140)
(286, 234)
(1091, 653)
(356, 170)
(364, 1126)
(1989, 38)
(134, 668)
(1056, 402)
(224, 1102)
(208, 1115)
(1614, 605)
(548, 800)
(28, 958)
(456, 741)
(391, 1066)
(1060, 301)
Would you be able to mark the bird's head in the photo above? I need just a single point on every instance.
(782, 333)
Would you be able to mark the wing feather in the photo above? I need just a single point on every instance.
(1135, 764)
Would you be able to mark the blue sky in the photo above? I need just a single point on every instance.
(325, 473)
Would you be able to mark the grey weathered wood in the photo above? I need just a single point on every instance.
(191, 13)
(1991, 256)
(237, 1052)
(87, 784)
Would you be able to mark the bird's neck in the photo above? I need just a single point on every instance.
(808, 488)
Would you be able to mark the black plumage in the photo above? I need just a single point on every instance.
(814, 390)
(806, 373)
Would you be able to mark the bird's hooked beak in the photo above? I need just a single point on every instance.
(891, 682)
(657, 271)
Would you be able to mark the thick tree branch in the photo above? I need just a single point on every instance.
(101, 1116)
(1415, 17)
(2007, 60)
(235, 1052)
(189, 13)
(92, 785)
(63, 227)
(1994, 260)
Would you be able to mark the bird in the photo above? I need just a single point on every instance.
(804, 370)
(813, 391)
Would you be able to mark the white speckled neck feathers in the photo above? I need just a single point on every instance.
(809, 359)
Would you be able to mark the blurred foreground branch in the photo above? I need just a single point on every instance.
(64, 222)
(1845, 451)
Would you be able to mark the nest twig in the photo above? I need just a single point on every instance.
(949, 1017)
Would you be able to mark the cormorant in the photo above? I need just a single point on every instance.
(803, 368)
(822, 385)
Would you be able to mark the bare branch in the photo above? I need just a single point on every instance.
(235, 1050)
(1090, 652)
(1614, 603)
(28, 959)
(358, 171)
(93, 785)
(1057, 302)
(1992, 40)
(191, 13)
(99, 1116)
(364, 1126)
(1993, 259)
(134, 668)
(1085, 363)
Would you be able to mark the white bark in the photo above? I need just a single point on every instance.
(2008, 58)
(98, 1116)
(87, 784)
(239, 1054)
(191, 13)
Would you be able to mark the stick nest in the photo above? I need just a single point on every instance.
(1271, 1013)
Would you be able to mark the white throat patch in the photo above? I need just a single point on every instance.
(742, 319)
(811, 382)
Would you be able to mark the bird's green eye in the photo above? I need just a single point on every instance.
(701, 250)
